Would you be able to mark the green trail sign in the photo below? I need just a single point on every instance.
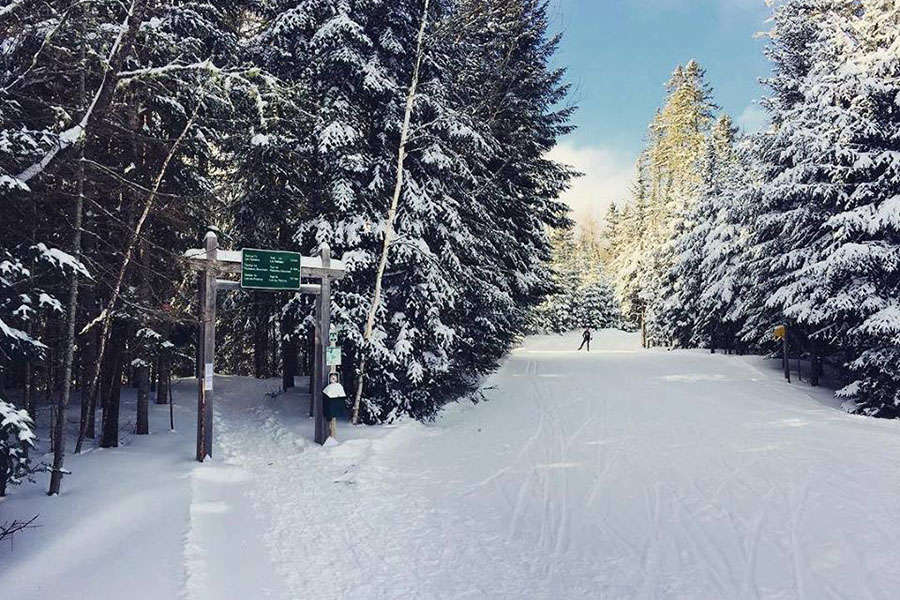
(270, 270)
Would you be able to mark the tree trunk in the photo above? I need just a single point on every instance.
(288, 352)
(392, 210)
(815, 373)
(4, 473)
(162, 379)
(142, 371)
(260, 344)
(142, 423)
(59, 439)
(110, 431)
(273, 364)
(90, 424)
(643, 329)
(28, 392)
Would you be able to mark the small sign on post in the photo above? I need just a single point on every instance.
(208, 377)
(270, 270)
(333, 356)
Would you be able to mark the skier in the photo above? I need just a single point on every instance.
(586, 339)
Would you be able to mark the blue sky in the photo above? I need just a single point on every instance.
(620, 53)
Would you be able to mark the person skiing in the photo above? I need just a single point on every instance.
(586, 339)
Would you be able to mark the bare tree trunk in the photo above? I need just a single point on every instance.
(643, 329)
(109, 434)
(392, 210)
(59, 442)
(142, 372)
(273, 364)
(27, 391)
(59, 437)
(142, 423)
(288, 353)
(815, 372)
(94, 393)
(171, 404)
(260, 343)
(162, 382)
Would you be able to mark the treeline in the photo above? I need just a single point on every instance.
(128, 129)
(728, 235)
(584, 296)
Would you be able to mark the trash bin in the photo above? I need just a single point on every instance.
(334, 398)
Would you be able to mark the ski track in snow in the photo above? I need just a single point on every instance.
(618, 474)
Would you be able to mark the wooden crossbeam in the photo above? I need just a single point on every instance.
(229, 261)
(211, 262)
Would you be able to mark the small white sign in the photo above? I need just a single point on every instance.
(208, 378)
(333, 356)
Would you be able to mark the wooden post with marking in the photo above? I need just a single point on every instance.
(322, 347)
(314, 376)
(205, 399)
(787, 362)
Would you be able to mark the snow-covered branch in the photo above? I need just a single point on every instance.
(114, 59)
(11, 8)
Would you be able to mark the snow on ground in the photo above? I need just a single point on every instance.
(622, 473)
(117, 530)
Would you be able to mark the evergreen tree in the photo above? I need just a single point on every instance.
(468, 260)
(686, 318)
(596, 306)
(845, 289)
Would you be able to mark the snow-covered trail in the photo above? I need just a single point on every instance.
(621, 473)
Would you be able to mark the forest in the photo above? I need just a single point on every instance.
(129, 130)
(728, 235)
(411, 138)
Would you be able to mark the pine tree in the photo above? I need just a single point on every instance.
(777, 210)
(558, 311)
(16, 439)
(468, 260)
(686, 318)
(596, 306)
(847, 293)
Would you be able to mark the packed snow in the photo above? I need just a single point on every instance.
(619, 473)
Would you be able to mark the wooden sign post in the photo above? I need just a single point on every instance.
(781, 334)
(208, 349)
(270, 270)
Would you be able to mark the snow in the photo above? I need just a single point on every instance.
(11, 7)
(61, 259)
(259, 139)
(619, 473)
(18, 335)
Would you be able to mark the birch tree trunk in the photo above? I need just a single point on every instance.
(392, 210)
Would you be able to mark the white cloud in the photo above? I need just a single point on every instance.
(607, 177)
(754, 119)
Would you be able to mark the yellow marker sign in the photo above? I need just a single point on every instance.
(779, 332)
